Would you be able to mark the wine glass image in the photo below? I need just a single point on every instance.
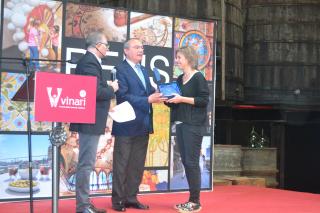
(13, 170)
(97, 171)
(44, 171)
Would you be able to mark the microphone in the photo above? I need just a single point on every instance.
(114, 74)
(100, 52)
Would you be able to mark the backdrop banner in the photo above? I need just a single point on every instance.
(61, 29)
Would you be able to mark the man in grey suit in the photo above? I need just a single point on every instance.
(90, 64)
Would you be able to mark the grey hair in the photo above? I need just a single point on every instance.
(190, 54)
(126, 44)
(93, 38)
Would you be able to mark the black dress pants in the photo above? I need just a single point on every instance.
(129, 157)
(189, 139)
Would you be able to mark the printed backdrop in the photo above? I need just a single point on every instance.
(60, 39)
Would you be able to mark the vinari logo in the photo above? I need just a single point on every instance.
(60, 101)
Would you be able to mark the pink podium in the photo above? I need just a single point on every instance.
(63, 98)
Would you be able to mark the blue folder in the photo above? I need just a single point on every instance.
(167, 89)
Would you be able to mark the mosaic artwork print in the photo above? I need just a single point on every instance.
(178, 179)
(32, 30)
(82, 19)
(14, 113)
(199, 35)
(152, 30)
(158, 148)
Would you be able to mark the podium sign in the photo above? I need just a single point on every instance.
(65, 98)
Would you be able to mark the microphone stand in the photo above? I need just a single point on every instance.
(57, 137)
(26, 65)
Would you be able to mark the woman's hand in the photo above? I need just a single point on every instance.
(176, 99)
(180, 99)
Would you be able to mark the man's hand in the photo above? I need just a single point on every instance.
(114, 85)
(156, 98)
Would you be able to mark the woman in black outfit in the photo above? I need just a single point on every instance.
(189, 112)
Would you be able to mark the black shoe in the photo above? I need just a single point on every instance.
(120, 207)
(137, 205)
(93, 209)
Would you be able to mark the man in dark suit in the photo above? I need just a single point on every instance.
(131, 138)
(90, 64)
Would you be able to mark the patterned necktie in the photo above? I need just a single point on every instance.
(140, 74)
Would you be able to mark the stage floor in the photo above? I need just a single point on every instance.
(223, 199)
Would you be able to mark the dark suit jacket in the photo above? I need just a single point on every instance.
(132, 90)
(89, 65)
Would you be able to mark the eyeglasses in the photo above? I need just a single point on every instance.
(105, 44)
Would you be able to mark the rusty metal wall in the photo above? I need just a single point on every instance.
(282, 52)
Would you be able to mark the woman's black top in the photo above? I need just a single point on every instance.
(196, 87)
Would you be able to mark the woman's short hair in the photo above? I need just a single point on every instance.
(190, 54)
